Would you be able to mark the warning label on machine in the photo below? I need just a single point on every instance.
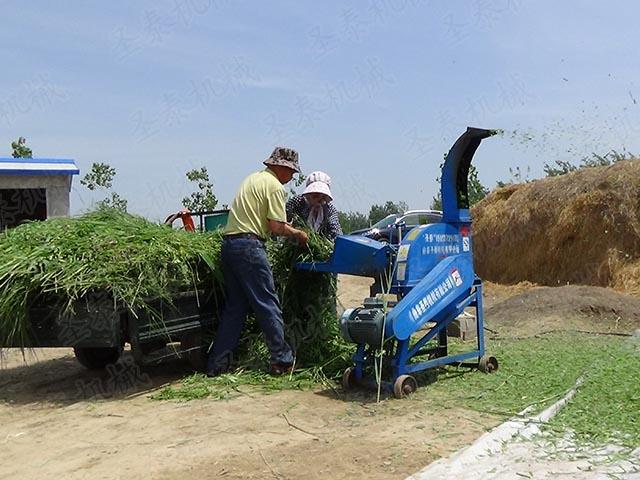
(441, 244)
(453, 280)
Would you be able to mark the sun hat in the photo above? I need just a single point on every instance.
(318, 187)
(318, 177)
(284, 157)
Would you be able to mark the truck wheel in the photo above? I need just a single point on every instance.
(96, 358)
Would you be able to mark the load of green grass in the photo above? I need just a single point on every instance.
(60, 261)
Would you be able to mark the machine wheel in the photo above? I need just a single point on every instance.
(96, 358)
(404, 386)
(349, 379)
(488, 364)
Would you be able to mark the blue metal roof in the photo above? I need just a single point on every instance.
(38, 166)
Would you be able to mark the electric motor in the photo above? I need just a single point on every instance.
(363, 325)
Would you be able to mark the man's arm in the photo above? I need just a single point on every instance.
(286, 230)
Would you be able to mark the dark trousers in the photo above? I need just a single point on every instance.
(249, 288)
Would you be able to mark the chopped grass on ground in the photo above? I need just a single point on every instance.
(533, 372)
(536, 372)
(242, 382)
(606, 408)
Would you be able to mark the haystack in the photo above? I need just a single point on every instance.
(578, 228)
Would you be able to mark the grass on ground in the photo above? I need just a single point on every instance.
(606, 408)
(534, 372)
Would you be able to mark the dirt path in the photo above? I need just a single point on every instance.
(58, 420)
(49, 428)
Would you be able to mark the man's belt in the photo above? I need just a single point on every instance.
(250, 236)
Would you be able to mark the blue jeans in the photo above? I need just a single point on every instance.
(249, 287)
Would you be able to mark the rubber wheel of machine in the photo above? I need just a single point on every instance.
(488, 364)
(96, 358)
(349, 379)
(404, 386)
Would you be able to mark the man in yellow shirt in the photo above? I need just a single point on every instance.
(257, 211)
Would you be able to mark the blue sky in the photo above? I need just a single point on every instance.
(373, 92)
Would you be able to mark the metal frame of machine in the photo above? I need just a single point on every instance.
(430, 274)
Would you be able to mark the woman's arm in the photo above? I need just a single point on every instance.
(333, 222)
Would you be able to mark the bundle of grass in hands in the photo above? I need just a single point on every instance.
(309, 306)
(61, 260)
(308, 301)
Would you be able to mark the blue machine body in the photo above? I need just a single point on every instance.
(354, 255)
(439, 291)
(431, 273)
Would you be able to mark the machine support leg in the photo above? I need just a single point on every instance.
(442, 343)
(358, 358)
(479, 319)
(401, 358)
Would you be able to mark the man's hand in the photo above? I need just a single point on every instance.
(302, 237)
(281, 228)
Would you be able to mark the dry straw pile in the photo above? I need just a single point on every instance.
(578, 228)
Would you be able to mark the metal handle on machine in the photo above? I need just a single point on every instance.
(400, 226)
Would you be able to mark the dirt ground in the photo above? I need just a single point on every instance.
(534, 310)
(49, 431)
(59, 420)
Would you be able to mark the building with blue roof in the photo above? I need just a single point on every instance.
(34, 189)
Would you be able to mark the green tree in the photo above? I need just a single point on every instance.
(475, 190)
(114, 201)
(378, 212)
(203, 199)
(350, 221)
(101, 177)
(20, 149)
(563, 167)
(297, 180)
(609, 158)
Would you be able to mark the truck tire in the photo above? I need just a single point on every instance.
(96, 358)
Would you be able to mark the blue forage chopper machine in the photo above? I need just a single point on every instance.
(421, 286)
